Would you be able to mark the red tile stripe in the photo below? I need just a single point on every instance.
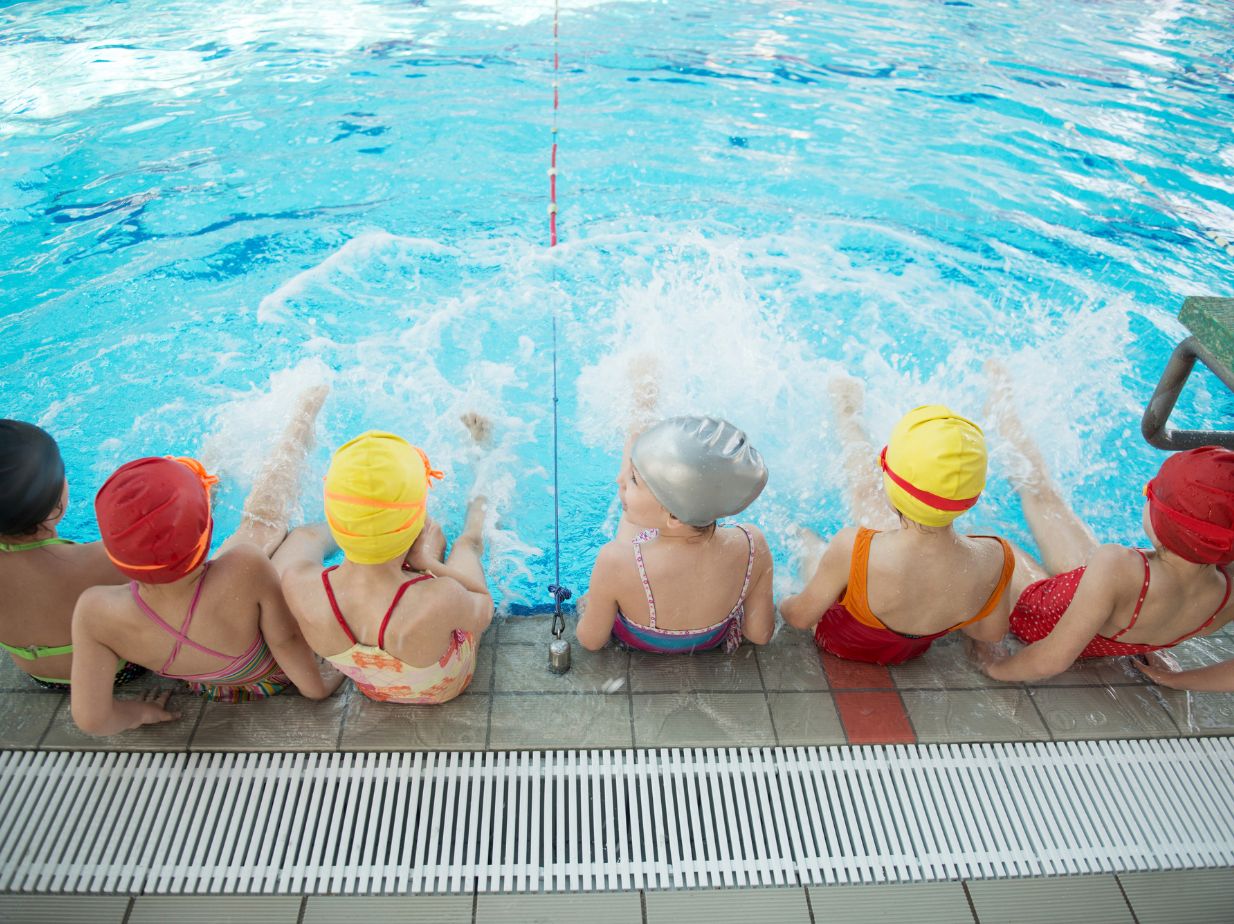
(868, 703)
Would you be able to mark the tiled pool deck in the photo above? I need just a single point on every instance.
(1196, 897)
(781, 694)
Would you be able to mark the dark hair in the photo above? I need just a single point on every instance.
(31, 477)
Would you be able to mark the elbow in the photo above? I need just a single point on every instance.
(759, 635)
(796, 615)
(591, 641)
(591, 644)
(90, 721)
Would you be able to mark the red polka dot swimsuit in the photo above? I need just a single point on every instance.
(1043, 603)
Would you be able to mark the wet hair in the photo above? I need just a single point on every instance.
(31, 477)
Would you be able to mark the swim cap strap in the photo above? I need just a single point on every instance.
(932, 500)
(199, 552)
(429, 472)
(207, 480)
(416, 506)
(1202, 528)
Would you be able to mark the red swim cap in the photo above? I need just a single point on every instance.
(154, 516)
(1191, 505)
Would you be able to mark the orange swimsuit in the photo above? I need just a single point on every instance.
(851, 630)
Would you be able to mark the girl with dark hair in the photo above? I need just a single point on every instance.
(41, 574)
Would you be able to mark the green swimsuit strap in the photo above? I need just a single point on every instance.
(37, 544)
(33, 652)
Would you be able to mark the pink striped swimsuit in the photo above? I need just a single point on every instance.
(251, 675)
(652, 638)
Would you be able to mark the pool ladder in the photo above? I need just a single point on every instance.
(1211, 322)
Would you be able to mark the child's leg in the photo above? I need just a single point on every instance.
(469, 545)
(811, 553)
(1065, 540)
(867, 500)
(464, 560)
(267, 509)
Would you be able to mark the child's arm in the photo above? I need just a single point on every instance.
(595, 622)
(305, 547)
(1216, 678)
(995, 626)
(760, 607)
(282, 633)
(1090, 609)
(94, 709)
(805, 609)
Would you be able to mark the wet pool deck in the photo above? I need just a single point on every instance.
(780, 694)
(1194, 897)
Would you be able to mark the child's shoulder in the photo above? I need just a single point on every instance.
(104, 598)
(1115, 564)
(242, 561)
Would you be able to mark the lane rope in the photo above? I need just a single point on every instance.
(560, 594)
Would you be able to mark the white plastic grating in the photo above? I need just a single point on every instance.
(580, 820)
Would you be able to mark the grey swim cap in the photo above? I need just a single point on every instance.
(699, 468)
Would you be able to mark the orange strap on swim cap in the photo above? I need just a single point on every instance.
(933, 500)
(207, 480)
(199, 551)
(429, 472)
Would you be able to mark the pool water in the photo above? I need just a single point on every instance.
(206, 207)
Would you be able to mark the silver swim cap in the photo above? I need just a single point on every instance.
(699, 468)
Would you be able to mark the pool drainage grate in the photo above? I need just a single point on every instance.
(346, 823)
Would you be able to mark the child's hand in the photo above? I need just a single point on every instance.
(427, 551)
(152, 709)
(989, 655)
(1159, 668)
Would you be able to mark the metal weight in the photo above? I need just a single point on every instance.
(559, 656)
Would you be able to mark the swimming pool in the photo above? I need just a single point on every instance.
(207, 206)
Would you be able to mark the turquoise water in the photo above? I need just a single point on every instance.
(207, 206)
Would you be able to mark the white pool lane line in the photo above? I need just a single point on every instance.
(454, 822)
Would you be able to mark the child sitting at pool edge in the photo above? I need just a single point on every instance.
(397, 617)
(41, 573)
(678, 477)
(221, 626)
(1091, 600)
(922, 578)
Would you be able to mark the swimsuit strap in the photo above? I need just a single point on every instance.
(398, 595)
(856, 595)
(1209, 621)
(1139, 603)
(37, 544)
(338, 614)
(181, 635)
(34, 652)
(1004, 578)
(645, 536)
(745, 584)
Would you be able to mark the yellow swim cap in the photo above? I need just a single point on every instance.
(934, 465)
(376, 496)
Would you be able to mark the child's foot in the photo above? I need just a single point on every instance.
(479, 426)
(309, 403)
(848, 398)
(848, 395)
(644, 373)
(1027, 470)
(477, 513)
(812, 549)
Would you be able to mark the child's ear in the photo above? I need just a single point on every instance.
(673, 522)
